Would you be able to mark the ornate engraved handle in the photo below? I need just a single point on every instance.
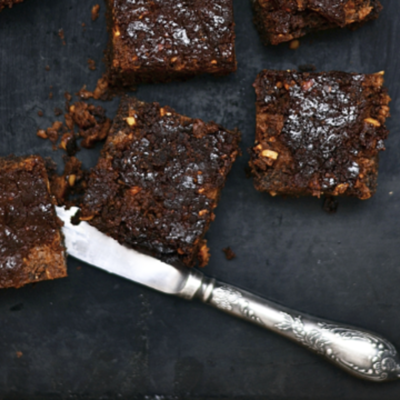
(361, 353)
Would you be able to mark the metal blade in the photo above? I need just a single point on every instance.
(95, 248)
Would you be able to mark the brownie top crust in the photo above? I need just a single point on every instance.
(325, 124)
(163, 32)
(159, 179)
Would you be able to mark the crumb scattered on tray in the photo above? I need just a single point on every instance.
(40, 113)
(19, 354)
(229, 254)
(91, 64)
(62, 36)
(101, 92)
(294, 44)
(47, 68)
(331, 204)
(95, 12)
(57, 112)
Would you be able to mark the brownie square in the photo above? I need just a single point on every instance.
(163, 40)
(31, 248)
(158, 180)
(284, 20)
(319, 133)
(8, 3)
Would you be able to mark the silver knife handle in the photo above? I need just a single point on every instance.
(361, 353)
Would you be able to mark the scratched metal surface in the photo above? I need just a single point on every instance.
(94, 336)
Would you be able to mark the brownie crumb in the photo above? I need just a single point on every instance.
(50, 95)
(294, 44)
(69, 187)
(91, 64)
(40, 113)
(331, 204)
(82, 120)
(95, 12)
(62, 36)
(102, 91)
(19, 354)
(57, 112)
(229, 254)
(47, 68)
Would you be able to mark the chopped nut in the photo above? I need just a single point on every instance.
(373, 122)
(89, 218)
(163, 112)
(273, 194)
(71, 180)
(42, 134)
(214, 62)
(279, 85)
(135, 190)
(340, 189)
(203, 212)
(131, 121)
(270, 154)
(117, 33)
(95, 12)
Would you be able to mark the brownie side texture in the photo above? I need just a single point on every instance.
(284, 20)
(163, 40)
(158, 180)
(31, 248)
(319, 133)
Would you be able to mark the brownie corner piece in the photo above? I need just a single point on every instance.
(31, 247)
(158, 181)
(164, 40)
(319, 133)
(284, 20)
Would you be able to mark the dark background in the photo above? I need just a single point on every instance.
(95, 336)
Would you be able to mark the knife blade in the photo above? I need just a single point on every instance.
(359, 352)
(93, 247)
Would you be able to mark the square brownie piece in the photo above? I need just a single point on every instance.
(8, 3)
(158, 180)
(284, 20)
(31, 248)
(163, 40)
(319, 133)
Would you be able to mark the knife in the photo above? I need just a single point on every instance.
(359, 352)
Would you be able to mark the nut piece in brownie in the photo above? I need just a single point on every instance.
(319, 133)
(284, 20)
(31, 248)
(158, 180)
(163, 40)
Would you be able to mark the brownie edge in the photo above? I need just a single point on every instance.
(31, 247)
(319, 133)
(158, 181)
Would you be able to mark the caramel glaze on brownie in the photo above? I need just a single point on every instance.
(31, 247)
(8, 3)
(158, 180)
(319, 133)
(163, 40)
(284, 20)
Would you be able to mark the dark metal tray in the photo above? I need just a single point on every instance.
(95, 336)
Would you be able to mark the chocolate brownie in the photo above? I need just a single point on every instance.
(31, 248)
(284, 20)
(8, 3)
(319, 133)
(163, 40)
(158, 180)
